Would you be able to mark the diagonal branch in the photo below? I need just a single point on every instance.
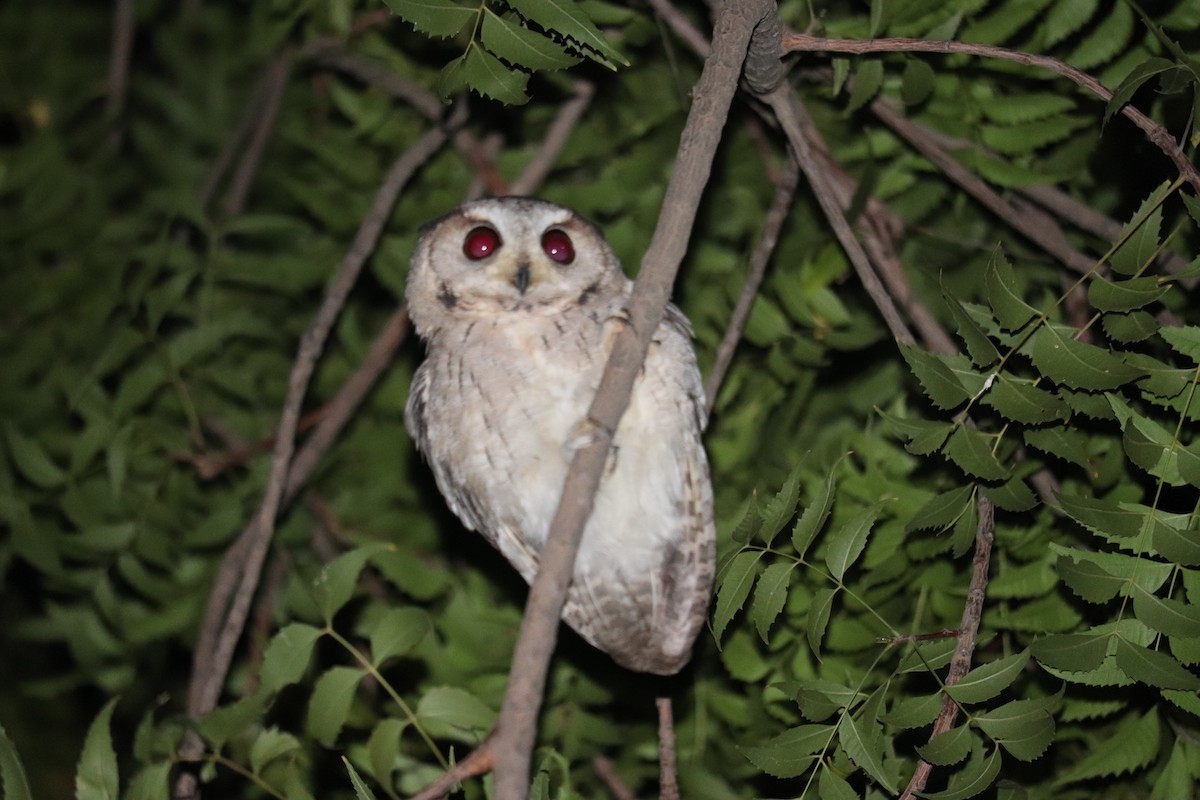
(712, 96)
(1160, 136)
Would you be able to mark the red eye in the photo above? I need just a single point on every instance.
(558, 246)
(480, 243)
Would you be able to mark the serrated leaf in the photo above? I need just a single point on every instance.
(1099, 515)
(818, 618)
(1131, 327)
(1023, 402)
(567, 18)
(780, 508)
(439, 18)
(361, 790)
(1068, 444)
(941, 511)
(1105, 295)
(924, 437)
(936, 378)
(790, 753)
(750, 522)
(834, 787)
(269, 745)
(1023, 727)
(770, 593)
(979, 346)
(1075, 652)
(864, 743)
(819, 699)
(1009, 308)
(1165, 615)
(517, 44)
(487, 75)
(96, 775)
(1133, 746)
(971, 451)
(735, 583)
(978, 774)
(947, 748)
(1012, 495)
(152, 782)
(1154, 668)
(1184, 339)
(1082, 366)
(334, 585)
(1181, 547)
(286, 657)
(1140, 235)
(868, 78)
(14, 785)
(814, 516)
(396, 632)
(914, 712)
(846, 543)
(988, 680)
(224, 722)
(1089, 580)
(330, 703)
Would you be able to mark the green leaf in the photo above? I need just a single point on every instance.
(439, 18)
(1140, 235)
(916, 84)
(999, 280)
(1012, 495)
(790, 753)
(1075, 652)
(1127, 295)
(947, 748)
(96, 775)
(978, 774)
(487, 75)
(1154, 668)
(1165, 615)
(286, 657)
(846, 543)
(868, 78)
(1089, 580)
(1023, 727)
(1184, 339)
(335, 584)
(780, 508)
(1181, 547)
(361, 790)
(1134, 745)
(819, 699)
(269, 745)
(979, 346)
(939, 382)
(769, 596)
(834, 787)
(818, 618)
(971, 451)
(1102, 516)
(986, 681)
(396, 632)
(152, 782)
(814, 516)
(224, 722)
(1023, 402)
(329, 705)
(1135, 326)
(923, 437)
(32, 461)
(518, 45)
(942, 510)
(863, 741)
(1067, 361)
(1068, 444)
(458, 708)
(567, 18)
(735, 583)
(914, 712)
(13, 783)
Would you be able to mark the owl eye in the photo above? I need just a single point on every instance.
(558, 246)
(481, 242)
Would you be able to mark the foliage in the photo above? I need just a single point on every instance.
(149, 327)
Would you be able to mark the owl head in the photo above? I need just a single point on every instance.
(508, 255)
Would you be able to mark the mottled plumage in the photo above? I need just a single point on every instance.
(518, 301)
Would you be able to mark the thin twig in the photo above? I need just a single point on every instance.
(960, 662)
(785, 190)
(225, 616)
(557, 134)
(118, 63)
(479, 762)
(677, 21)
(713, 94)
(786, 105)
(668, 786)
(1160, 136)
(607, 774)
(277, 74)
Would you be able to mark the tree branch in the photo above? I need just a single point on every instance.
(1160, 136)
(668, 787)
(712, 95)
(557, 134)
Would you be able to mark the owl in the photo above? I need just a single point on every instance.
(518, 302)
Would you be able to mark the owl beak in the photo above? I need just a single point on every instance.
(521, 277)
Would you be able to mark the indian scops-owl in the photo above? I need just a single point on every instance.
(518, 301)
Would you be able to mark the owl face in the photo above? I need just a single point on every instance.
(508, 255)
